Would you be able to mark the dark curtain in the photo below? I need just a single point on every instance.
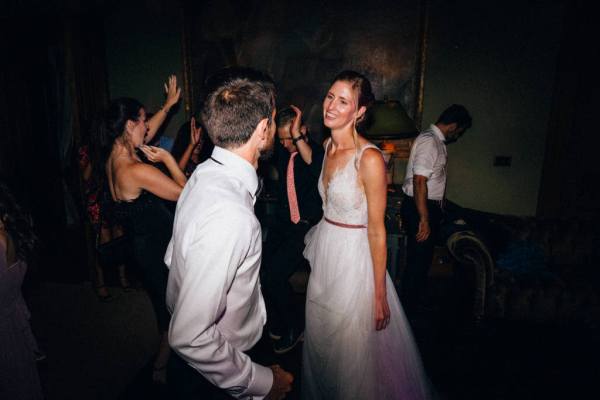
(52, 82)
(571, 172)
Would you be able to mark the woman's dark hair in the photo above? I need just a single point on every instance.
(110, 127)
(17, 223)
(360, 83)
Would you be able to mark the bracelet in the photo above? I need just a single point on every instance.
(163, 110)
(296, 140)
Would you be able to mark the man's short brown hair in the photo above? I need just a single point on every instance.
(238, 99)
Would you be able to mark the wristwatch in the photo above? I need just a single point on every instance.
(301, 137)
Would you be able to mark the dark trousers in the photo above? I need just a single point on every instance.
(185, 383)
(419, 255)
(282, 257)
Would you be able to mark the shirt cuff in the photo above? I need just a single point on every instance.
(261, 383)
(426, 172)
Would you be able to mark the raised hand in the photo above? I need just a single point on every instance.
(172, 92)
(295, 125)
(195, 132)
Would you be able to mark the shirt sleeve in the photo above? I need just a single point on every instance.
(426, 154)
(211, 260)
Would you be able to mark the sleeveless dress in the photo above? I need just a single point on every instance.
(344, 357)
(149, 224)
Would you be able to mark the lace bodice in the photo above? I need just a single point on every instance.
(344, 199)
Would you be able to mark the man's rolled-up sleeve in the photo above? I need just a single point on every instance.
(426, 153)
(211, 261)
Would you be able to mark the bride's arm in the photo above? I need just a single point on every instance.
(372, 176)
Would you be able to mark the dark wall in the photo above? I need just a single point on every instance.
(303, 45)
(498, 59)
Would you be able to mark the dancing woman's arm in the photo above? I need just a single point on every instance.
(373, 179)
(152, 179)
(195, 140)
(173, 93)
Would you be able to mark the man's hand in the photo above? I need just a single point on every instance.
(424, 230)
(282, 383)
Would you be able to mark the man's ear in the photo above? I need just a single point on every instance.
(262, 129)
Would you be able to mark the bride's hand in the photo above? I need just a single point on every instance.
(382, 312)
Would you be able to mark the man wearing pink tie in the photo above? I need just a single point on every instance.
(299, 163)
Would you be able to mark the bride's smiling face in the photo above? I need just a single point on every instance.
(340, 107)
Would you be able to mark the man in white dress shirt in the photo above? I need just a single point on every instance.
(213, 292)
(424, 188)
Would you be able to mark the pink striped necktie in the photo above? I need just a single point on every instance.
(291, 190)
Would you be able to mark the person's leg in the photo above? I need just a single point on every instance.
(282, 263)
(117, 231)
(159, 368)
(424, 254)
(154, 275)
(104, 236)
(410, 223)
(185, 383)
(419, 255)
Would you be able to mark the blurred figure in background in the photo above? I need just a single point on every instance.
(19, 377)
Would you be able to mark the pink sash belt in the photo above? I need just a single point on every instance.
(344, 225)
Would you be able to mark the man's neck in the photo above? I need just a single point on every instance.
(443, 128)
(248, 154)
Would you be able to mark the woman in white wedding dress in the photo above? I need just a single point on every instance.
(358, 343)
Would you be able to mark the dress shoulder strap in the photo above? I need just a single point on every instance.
(365, 147)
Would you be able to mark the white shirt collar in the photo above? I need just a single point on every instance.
(239, 166)
(437, 132)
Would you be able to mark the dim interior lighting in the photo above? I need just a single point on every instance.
(390, 121)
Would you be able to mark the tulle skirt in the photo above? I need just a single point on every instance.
(344, 357)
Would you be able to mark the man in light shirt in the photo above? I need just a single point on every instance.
(424, 188)
(213, 292)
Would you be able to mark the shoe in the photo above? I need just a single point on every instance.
(39, 355)
(102, 293)
(288, 341)
(125, 285)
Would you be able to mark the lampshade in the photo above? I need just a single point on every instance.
(390, 121)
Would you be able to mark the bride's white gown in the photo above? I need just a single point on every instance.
(344, 357)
